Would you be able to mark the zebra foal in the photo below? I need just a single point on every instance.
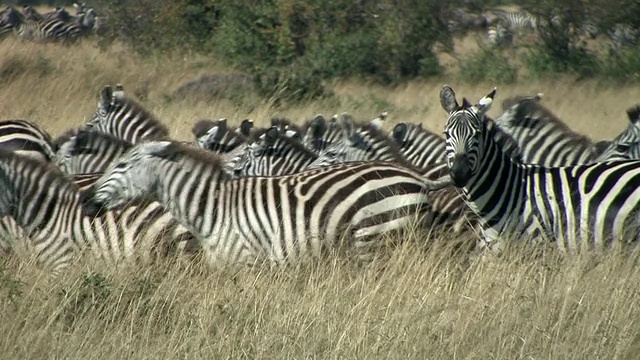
(282, 219)
(576, 206)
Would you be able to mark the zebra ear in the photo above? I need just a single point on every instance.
(271, 135)
(246, 126)
(399, 132)
(106, 95)
(347, 124)
(634, 114)
(448, 99)
(485, 103)
(318, 126)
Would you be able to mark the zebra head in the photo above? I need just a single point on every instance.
(106, 104)
(128, 178)
(337, 151)
(626, 145)
(464, 134)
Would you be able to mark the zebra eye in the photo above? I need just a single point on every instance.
(622, 147)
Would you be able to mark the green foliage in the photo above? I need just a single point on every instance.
(488, 64)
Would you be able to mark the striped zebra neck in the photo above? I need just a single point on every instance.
(484, 191)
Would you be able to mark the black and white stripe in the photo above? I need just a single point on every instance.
(122, 117)
(577, 206)
(626, 146)
(542, 137)
(273, 154)
(48, 207)
(85, 151)
(282, 219)
(418, 145)
(27, 139)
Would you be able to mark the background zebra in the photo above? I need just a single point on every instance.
(48, 207)
(542, 137)
(418, 145)
(281, 218)
(26, 138)
(119, 116)
(576, 206)
(86, 151)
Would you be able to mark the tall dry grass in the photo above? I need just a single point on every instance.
(426, 302)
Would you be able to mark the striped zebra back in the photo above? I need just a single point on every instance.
(418, 145)
(542, 137)
(26, 138)
(85, 151)
(121, 117)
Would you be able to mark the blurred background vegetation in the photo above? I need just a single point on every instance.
(293, 46)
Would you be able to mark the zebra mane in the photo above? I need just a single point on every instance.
(161, 132)
(66, 136)
(515, 100)
(177, 152)
(201, 127)
(530, 108)
(285, 141)
(90, 142)
(634, 114)
(378, 135)
(505, 142)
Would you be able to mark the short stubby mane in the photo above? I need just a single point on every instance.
(289, 142)
(505, 142)
(201, 127)
(179, 152)
(161, 132)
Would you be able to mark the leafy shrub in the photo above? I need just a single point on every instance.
(488, 64)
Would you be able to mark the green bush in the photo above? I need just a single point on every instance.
(488, 64)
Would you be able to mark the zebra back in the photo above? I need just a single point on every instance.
(88, 151)
(26, 138)
(122, 117)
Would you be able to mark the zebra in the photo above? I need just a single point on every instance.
(274, 154)
(542, 137)
(217, 137)
(626, 146)
(364, 143)
(124, 118)
(621, 35)
(578, 206)
(37, 29)
(49, 208)
(418, 145)
(87, 151)
(499, 35)
(282, 219)
(26, 138)
(320, 134)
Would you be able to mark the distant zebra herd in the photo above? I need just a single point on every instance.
(506, 28)
(120, 188)
(57, 25)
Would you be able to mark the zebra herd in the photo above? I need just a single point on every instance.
(505, 28)
(120, 188)
(57, 25)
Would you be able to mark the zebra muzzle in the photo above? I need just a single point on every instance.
(460, 170)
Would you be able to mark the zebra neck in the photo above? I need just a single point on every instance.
(496, 191)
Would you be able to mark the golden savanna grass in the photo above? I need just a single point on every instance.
(418, 301)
